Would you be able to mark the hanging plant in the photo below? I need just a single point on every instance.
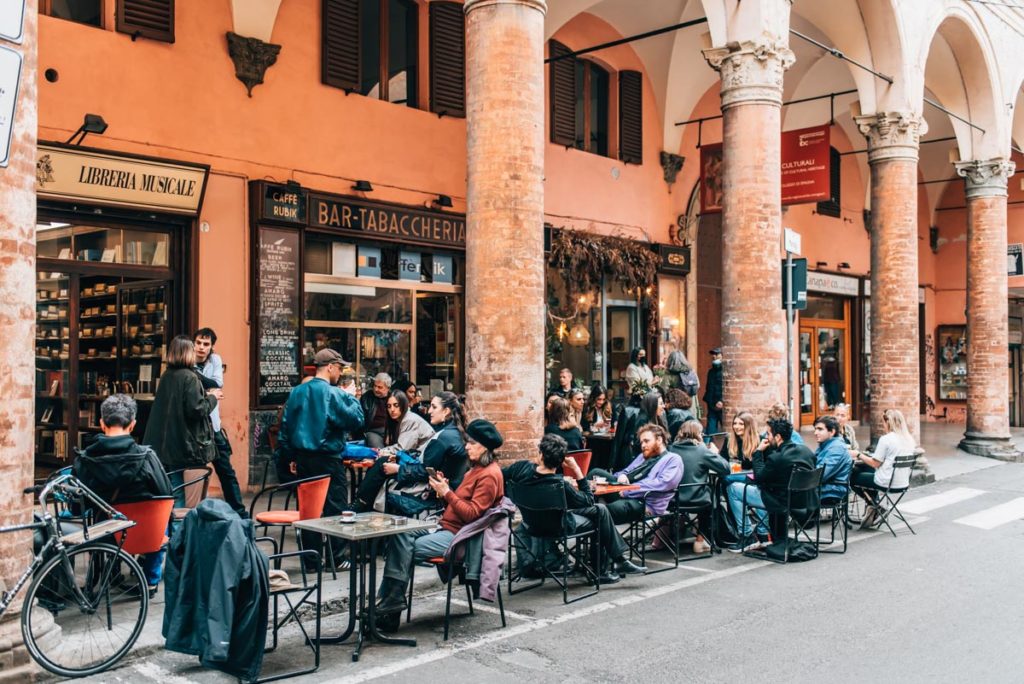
(586, 259)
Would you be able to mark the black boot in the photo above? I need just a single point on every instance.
(628, 567)
(392, 597)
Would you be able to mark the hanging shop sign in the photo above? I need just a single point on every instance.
(10, 77)
(69, 173)
(831, 283)
(1015, 259)
(674, 259)
(283, 203)
(805, 163)
(393, 222)
(12, 20)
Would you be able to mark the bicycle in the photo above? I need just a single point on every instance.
(88, 598)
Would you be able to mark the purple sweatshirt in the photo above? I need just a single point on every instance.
(663, 479)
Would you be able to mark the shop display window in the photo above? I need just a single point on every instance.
(952, 352)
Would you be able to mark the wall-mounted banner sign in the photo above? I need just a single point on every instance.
(12, 20)
(82, 174)
(10, 77)
(387, 221)
(1015, 259)
(804, 162)
(831, 283)
(284, 204)
(674, 259)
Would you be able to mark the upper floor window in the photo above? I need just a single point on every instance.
(580, 97)
(81, 11)
(371, 47)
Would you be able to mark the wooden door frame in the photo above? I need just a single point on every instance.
(813, 325)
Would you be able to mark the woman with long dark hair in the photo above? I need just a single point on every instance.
(179, 427)
(627, 442)
(404, 428)
(597, 412)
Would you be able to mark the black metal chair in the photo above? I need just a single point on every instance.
(803, 510)
(544, 511)
(689, 514)
(651, 526)
(305, 593)
(839, 508)
(887, 505)
(453, 570)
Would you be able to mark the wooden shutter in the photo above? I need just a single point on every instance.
(563, 96)
(831, 206)
(147, 18)
(339, 44)
(447, 59)
(631, 117)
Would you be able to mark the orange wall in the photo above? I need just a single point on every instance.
(182, 101)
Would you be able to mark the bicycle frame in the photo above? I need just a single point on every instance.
(66, 484)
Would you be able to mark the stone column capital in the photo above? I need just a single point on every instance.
(986, 178)
(471, 5)
(892, 135)
(751, 71)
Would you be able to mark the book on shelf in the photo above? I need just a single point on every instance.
(47, 415)
(160, 254)
(60, 444)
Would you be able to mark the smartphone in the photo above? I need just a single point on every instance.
(431, 472)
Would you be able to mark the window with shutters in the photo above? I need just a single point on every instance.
(79, 11)
(631, 114)
(447, 59)
(370, 47)
(153, 19)
(831, 207)
(580, 91)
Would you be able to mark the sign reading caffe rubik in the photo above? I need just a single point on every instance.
(387, 221)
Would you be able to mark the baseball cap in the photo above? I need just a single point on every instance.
(326, 357)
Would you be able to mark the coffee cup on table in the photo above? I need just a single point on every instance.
(348, 516)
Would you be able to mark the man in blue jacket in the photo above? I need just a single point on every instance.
(833, 456)
(314, 427)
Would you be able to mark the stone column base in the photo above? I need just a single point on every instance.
(1001, 448)
(923, 472)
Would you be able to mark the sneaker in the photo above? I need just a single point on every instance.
(748, 544)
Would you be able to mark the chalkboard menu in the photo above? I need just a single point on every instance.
(277, 314)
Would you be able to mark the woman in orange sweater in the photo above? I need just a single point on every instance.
(481, 489)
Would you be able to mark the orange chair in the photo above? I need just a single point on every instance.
(151, 518)
(582, 457)
(310, 494)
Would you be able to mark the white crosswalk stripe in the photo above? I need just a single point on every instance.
(948, 498)
(993, 517)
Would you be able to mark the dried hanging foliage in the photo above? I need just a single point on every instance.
(585, 259)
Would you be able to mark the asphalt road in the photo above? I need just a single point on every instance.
(942, 606)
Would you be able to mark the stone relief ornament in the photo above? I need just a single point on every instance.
(671, 165)
(750, 72)
(985, 178)
(252, 58)
(892, 135)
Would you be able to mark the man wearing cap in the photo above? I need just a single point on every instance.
(481, 489)
(316, 418)
(713, 392)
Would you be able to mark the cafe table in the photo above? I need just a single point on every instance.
(605, 489)
(363, 536)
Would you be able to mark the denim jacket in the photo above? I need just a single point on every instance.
(833, 457)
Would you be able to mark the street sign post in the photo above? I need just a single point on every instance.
(794, 288)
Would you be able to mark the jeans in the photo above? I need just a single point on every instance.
(735, 495)
(226, 474)
(177, 480)
(153, 567)
(373, 480)
(408, 548)
(337, 491)
(714, 420)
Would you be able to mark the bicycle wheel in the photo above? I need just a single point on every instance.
(81, 618)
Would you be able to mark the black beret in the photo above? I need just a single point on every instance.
(483, 431)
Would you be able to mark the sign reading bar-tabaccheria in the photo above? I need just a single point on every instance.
(83, 174)
(387, 221)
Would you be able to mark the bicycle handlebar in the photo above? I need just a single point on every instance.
(34, 489)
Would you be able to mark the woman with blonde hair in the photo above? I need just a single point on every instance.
(875, 471)
(743, 440)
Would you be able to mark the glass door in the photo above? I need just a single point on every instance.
(824, 364)
(438, 346)
(808, 384)
(144, 329)
(622, 336)
(53, 357)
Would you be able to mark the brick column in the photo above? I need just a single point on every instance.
(505, 306)
(988, 423)
(753, 324)
(17, 345)
(893, 139)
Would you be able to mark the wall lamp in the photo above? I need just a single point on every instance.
(843, 264)
(821, 264)
(363, 186)
(443, 201)
(93, 123)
